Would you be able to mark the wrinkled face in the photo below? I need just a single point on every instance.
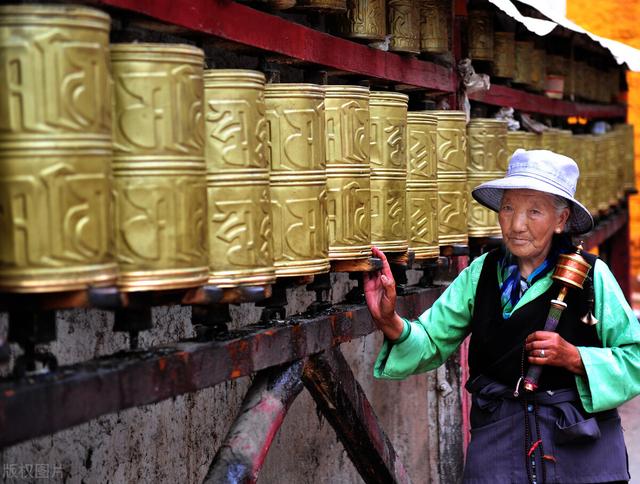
(528, 219)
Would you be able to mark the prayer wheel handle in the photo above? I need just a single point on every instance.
(571, 271)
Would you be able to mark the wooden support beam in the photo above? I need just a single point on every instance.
(344, 404)
(242, 454)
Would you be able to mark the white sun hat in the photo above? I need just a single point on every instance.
(541, 170)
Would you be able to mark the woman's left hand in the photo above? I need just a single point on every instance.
(549, 348)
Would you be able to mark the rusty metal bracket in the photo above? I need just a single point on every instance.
(242, 454)
(344, 404)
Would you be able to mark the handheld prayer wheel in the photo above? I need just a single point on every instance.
(524, 65)
(347, 134)
(571, 271)
(55, 149)
(158, 164)
(422, 185)
(365, 19)
(538, 69)
(434, 26)
(504, 54)
(487, 139)
(239, 221)
(480, 31)
(452, 177)
(404, 26)
(388, 170)
(298, 178)
(325, 6)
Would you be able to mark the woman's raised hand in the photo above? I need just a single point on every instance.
(380, 294)
(549, 348)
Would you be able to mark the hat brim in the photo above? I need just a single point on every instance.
(490, 193)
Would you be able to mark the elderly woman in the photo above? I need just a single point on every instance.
(568, 430)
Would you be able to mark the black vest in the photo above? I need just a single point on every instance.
(496, 343)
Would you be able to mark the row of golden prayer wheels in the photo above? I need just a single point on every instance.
(130, 164)
(520, 60)
(412, 26)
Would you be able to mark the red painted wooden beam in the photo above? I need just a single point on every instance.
(534, 103)
(247, 26)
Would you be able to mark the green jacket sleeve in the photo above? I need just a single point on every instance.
(427, 342)
(613, 371)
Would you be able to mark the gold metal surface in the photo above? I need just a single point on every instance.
(298, 179)
(422, 185)
(365, 19)
(347, 131)
(239, 220)
(524, 65)
(434, 26)
(538, 68)
(452, 177)
(627, 155)
(601, 194)
(519, 140)
(404, 26)
(159, 169)
(326, 6)
(480, 30)
(388, 170)
(55, 149)
(550, 140)
(504, 54)
(588, 181)
(487, 139)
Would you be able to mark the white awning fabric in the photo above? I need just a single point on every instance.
(556, 12)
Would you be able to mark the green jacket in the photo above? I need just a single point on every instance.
(613, 371)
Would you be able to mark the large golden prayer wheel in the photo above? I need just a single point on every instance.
(55, 149)
(524, 65)
(452, 177)
(487, 139)
(480, 31)
(601, 195)
(538, 69)
(158, 165)
(239, 221)
(564, 143)
(434, 26)
(504, 54)
(627, 155)
(365, 20)
(550, 140)
(422, 185)
(298, 179)
(404, 26)
(519, 140)
(588, 180)
(388, 170)
(326, 6)
(348, 172)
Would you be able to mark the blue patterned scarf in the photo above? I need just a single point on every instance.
(513, 285)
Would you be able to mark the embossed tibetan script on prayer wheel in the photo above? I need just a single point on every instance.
(348, 171)
(298, 179)
(239, 220)
(434, 26)
(159, 169)
(365, 19)
(404, 26)
(422, 185)
(452, 177)
(487, 161)
(55, 149)
(504, 54)
(519, 140)
(388, 170)
(480, 31)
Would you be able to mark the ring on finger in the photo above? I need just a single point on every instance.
(541, 353)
